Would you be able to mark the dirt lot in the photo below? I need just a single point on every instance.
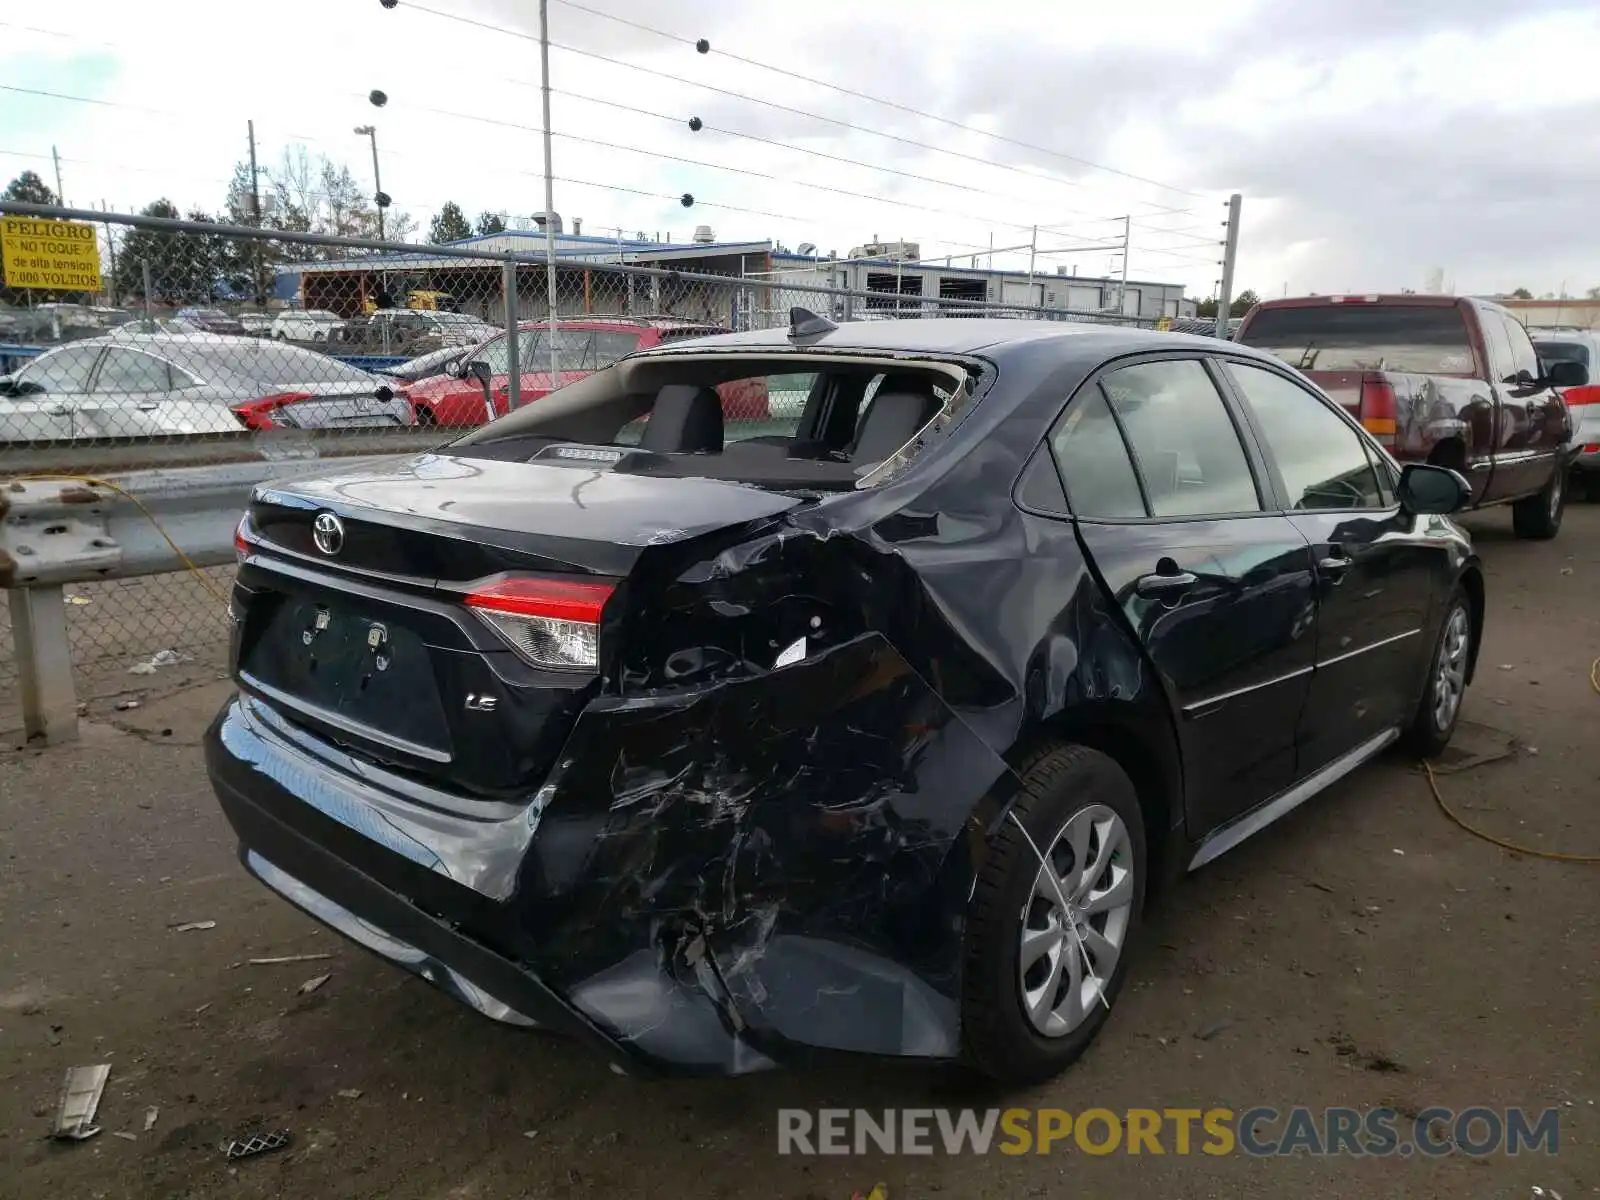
(1366, 950)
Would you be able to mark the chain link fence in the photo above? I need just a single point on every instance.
(211, 343)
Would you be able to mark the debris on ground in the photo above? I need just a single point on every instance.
(76, 600)
(125, 1135)
(150, 1115)
(312, 985)
(530, 1133)
(127, 705)
(80, 1098)
(53, 1034)
(350, 1093)
(247, 1144)
(1206, 1032)
(191, 926)
(880, 1191)
(161, 658)
(287, 958)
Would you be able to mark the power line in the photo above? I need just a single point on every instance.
(774, 105)
(905, 108)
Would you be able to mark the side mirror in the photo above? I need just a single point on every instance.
(1425, 488)
(1564, 373)
(453, 367)
(479, 370)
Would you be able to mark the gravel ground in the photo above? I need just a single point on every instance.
(1454, 973)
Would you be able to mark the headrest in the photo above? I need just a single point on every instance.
(685, 420)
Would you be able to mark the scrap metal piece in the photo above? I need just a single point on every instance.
(287, 958)
(192, 926)
(150, 1116)
(248, 1144)
(314, 983)
(80, 1097)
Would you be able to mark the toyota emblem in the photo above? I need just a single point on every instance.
(328, 533)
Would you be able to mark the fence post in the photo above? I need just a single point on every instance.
(149, 321)
(508, 272)
(44, 664)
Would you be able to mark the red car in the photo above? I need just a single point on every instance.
(585, 345)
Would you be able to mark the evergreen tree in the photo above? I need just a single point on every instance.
(491, 223)
(449, 225)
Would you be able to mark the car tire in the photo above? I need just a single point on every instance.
(425, 416)
(1539, 517)
(1017, 1027)
(1444, 689)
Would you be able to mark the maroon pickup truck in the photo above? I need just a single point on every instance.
(1440, 379)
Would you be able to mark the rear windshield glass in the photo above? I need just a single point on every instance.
(1563, 352)
(793, 423)
(1426, 340)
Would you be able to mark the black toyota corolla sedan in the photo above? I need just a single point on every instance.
(860, 716)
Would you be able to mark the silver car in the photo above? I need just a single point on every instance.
(139, 385)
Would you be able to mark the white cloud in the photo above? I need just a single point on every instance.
(1372, 141)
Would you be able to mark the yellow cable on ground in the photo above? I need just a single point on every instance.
(1433, 786)
(188, 562)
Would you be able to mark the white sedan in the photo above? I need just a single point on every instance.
(173, 383)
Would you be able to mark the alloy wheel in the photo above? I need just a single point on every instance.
(1450, 680)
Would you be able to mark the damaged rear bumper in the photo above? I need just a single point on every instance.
(681, 911)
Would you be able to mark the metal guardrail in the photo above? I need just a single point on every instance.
(67, 530)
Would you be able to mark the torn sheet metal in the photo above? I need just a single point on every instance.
(80, 1100)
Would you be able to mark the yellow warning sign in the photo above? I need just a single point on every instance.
(64, 255)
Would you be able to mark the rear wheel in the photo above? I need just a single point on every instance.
(1540, 516)
(425, 415)
(1440, 706)
(1053, 917)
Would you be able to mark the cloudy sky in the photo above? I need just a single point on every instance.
(1374, 141)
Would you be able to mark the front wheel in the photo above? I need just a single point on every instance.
(1539, 517)
(1053, 917)
(1440, 707)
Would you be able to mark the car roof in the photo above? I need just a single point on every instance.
(961, 336)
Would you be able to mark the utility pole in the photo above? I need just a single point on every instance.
(1230, 250)
(255, 219)
(1127, 238)
(111, 251)
(1033, 250)
(899, 272)
(379, 199)
(549, 194)
(61, 197)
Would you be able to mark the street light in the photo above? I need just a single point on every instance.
(382, 201)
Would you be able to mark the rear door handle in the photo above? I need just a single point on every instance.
(1335, 565)
(1164, 583)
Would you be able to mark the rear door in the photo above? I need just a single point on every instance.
(1164, 487)
(127, 398)
(1375, 571)
(1541, 412)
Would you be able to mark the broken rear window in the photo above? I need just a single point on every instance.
(791, 421)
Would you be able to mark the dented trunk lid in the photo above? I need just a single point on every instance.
(368, 639)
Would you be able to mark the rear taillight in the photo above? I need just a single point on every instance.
(241, 543)
(257, 414)
(1378, 407)
(553, 623)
